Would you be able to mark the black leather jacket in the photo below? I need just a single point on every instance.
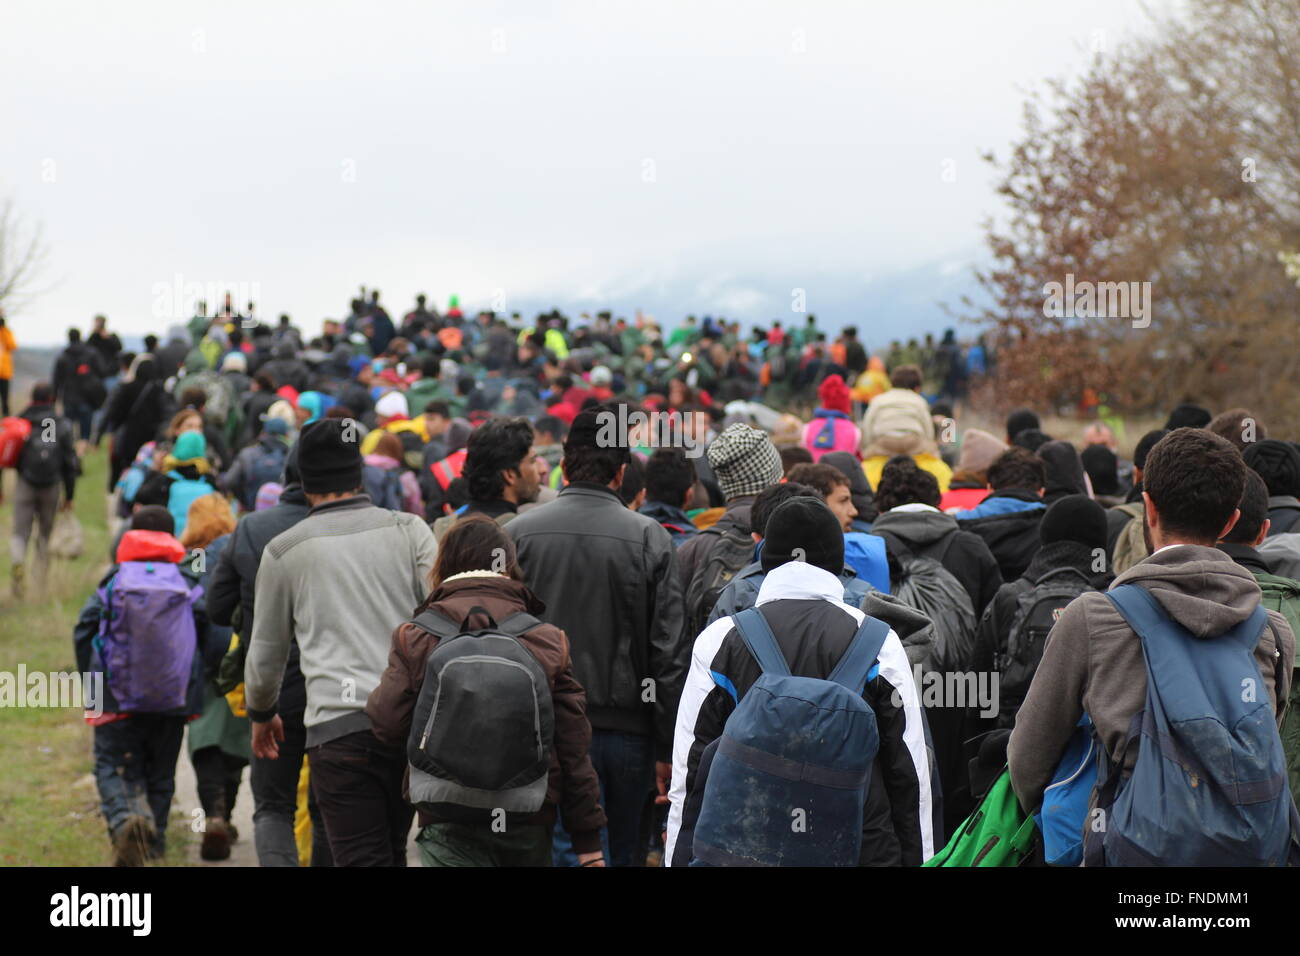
(608, 578)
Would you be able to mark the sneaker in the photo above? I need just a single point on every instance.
(216, 840)
(131, 841)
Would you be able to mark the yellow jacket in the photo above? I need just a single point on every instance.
(935, 465)
(7, 346)
(401, 425)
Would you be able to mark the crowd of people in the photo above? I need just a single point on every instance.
(438, 568)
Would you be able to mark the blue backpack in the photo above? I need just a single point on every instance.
(183, 493)
(790, 773)
(1064, 810)
(266, 465)
(1209, 787)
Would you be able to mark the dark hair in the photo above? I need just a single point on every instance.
(153, 518)
(74, 336)
(1146, 443)
(1277, 462)
(1017, 468)
(1232, 426)
(770, 498)
(154, 490)
(438, 408)
(495, 446)
(264, 381)
(42, 393)
(1187, 416)
(793, 456)
(588, 454)
(553, 426)
(1254, 511)
(474, 543)
(633, 481)
(194, 397)
(1021, 419)
(906, 376)
(1195, 479)
(150, 343)
(1031, 439)
(903, 483)
(669, 476)
(823, 479)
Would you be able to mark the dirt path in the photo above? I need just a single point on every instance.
(242, 853)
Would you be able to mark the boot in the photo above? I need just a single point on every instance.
(131, 841)
(216, 840)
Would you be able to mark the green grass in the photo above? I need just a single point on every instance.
(49, 806)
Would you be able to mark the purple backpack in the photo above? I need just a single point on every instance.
(146, 641)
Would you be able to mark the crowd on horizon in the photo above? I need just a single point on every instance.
(335, 514)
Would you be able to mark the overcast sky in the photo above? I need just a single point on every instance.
(527, 150)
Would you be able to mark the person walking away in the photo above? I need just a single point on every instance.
(79, 383)
(799, 611)
(476, 583)
(274, 781)
(47, 460)
(217, 741)
(7, 348)
(257, 464)
(339, 581)
(142, 636)
(1195, 604)
(608, 577)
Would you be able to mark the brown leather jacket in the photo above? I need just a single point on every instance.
(573, 787)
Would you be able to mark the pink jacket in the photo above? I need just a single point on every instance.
(843, 435)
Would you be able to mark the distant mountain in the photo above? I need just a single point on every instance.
(896, 305)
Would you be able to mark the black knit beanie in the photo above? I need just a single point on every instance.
(1074, 518)
(803, 529)
(329, 457)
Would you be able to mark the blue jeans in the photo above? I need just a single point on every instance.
(626, 767)
(135, 770)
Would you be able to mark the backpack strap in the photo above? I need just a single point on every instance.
(1145, 615)
(856, 662)
(436, 623)
(758, 637)
(521, 622)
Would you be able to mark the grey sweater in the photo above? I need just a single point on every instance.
(340, 581)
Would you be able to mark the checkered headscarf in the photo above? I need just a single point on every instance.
(745, 461)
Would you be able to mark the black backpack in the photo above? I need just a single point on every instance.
(484, 724)
(922, 582)
(730, 554)
(1037, 610)
(40, 463)
(85, 372)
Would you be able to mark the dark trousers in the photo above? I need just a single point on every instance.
(135, 770)
(626, 768)
(358, 784)
(217, 775)
(4, 398)
(476, 844)
(275, 801)
(81, 415)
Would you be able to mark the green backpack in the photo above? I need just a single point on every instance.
(1283, 595)
(998, 833)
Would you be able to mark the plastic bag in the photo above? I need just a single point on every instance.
(67, 538)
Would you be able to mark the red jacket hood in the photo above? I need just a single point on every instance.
(150, 546)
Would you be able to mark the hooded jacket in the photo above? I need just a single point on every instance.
(672, 519)
(813, 628)
(1093, 660)
(572, 784)
(926, 532)
(1008, 523)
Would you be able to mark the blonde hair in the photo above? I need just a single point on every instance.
(209, 518)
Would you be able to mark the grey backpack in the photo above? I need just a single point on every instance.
(483, 726)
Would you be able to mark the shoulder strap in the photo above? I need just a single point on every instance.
(1145, 615)
(856, 662)
(1056, 572)
(436, 623)
(760, 640)
(518, 623)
